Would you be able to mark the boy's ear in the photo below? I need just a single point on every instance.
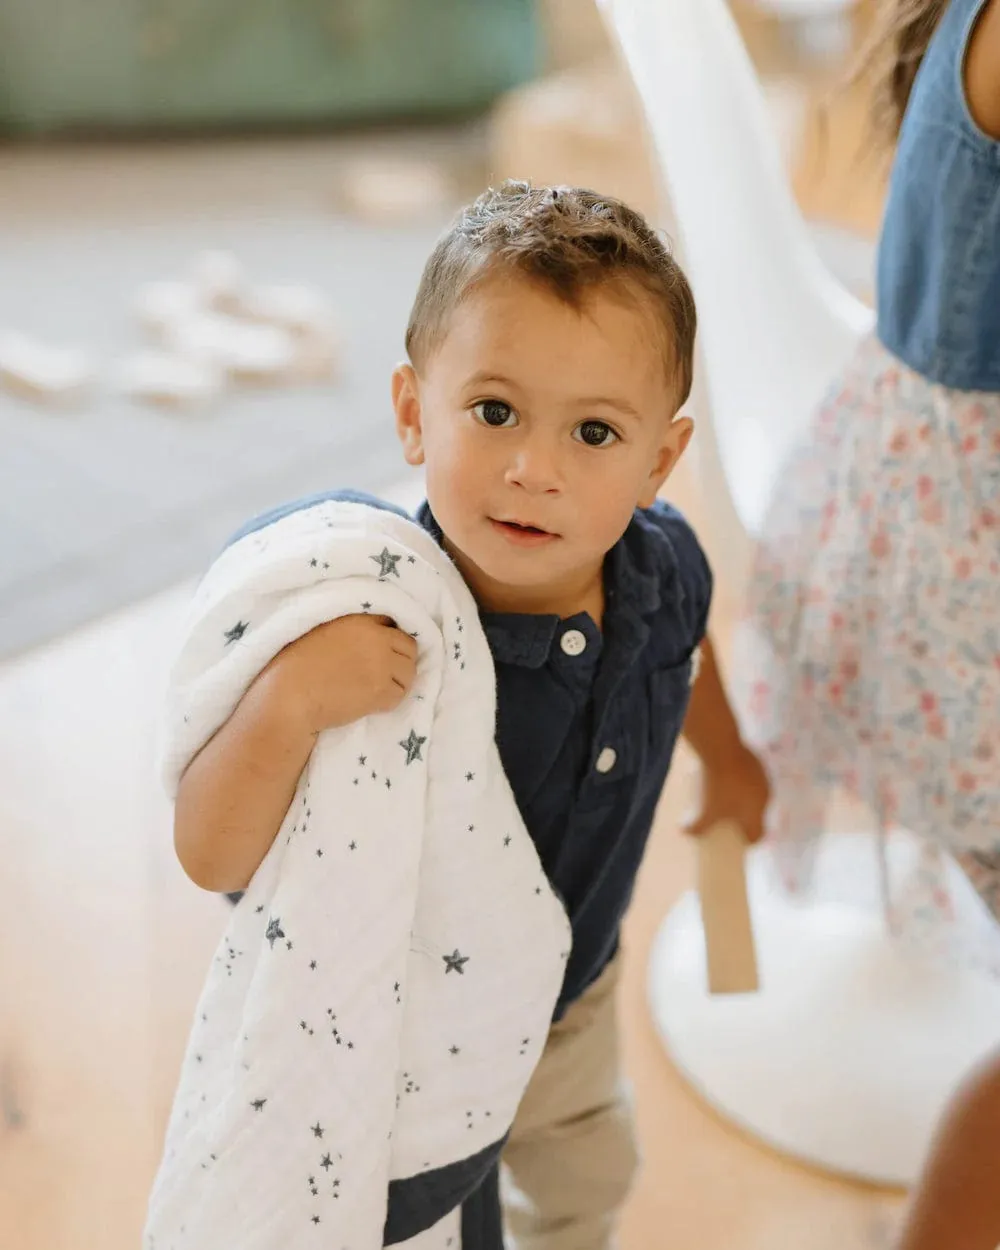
(406, 402)
(671, 449)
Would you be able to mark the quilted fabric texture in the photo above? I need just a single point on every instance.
(384, 989)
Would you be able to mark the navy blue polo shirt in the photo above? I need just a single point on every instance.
(588, 717)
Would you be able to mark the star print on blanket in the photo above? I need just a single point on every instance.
(384, 988)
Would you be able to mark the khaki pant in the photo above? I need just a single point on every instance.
(572, 1155)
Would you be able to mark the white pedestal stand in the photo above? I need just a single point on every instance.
(847, 1055)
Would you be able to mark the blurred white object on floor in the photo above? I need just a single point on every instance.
(164, 378)
(219, 281)
(161, 305)
(248, 353)
(263, 334)
(45, 373)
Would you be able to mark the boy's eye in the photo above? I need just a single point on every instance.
(495, 413)
(595, 434)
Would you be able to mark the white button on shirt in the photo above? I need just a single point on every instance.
(606, 760)
(573, 642)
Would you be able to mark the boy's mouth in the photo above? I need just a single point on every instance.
(522, 532)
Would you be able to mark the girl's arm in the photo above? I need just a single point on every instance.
(956, 1205)
(982, 71)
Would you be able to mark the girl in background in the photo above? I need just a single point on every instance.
(874, 623)
(875, 614)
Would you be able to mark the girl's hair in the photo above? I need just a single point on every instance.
(892, 55)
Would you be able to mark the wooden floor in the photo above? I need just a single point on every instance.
(103, 943)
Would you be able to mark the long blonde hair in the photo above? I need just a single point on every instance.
(892, 57)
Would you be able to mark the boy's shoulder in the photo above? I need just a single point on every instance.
(665, 553)
(662, 522)
(264, 519)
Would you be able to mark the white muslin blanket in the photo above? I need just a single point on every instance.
(384, 988)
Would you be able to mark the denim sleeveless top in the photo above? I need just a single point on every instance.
(939, 254)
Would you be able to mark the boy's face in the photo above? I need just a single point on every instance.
(541, 428)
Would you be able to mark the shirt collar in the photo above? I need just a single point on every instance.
(638, 570)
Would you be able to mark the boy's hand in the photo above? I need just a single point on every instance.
(735, 789)
(343, 671)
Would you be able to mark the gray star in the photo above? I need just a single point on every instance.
(387, 563)
(317, 1129)
(274, 931)
(258, 1104)
(411, 745)
(237, 632)
(455, 962)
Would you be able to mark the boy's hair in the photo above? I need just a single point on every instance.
(570, 240)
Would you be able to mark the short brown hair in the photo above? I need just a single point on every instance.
(567, 238)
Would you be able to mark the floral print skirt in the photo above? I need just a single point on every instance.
(869, 657)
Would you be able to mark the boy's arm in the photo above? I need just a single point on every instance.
(234, 794)
(734, 783)
(956, 1204)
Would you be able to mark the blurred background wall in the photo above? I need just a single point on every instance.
(162, 160)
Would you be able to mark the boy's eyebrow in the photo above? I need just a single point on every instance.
(620, 405)
(484, 376)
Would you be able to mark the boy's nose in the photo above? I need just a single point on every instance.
(535, 468)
